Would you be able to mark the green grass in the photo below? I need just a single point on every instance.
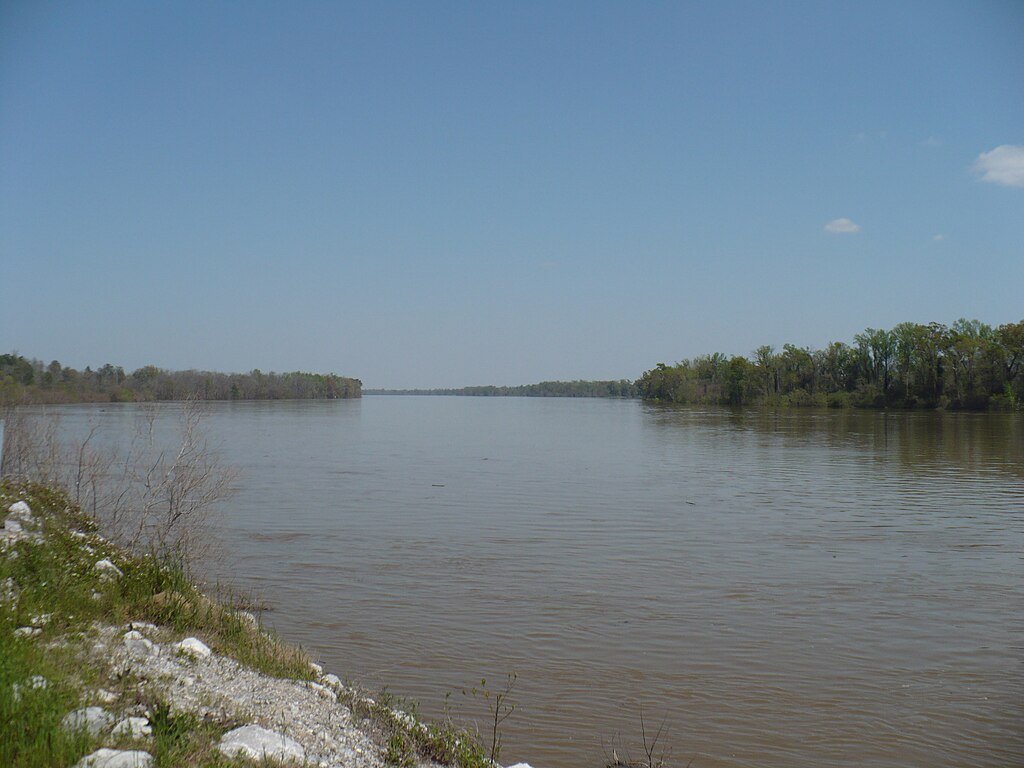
(30, 732)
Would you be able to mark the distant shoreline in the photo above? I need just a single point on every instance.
(620, 389)
(32, 382)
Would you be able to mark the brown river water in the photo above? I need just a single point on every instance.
(777, 589)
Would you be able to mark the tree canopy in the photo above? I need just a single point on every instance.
(32, 381)
(967, 365)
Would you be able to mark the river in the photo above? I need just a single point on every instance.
(779, 589)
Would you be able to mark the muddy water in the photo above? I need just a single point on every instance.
(781, 590)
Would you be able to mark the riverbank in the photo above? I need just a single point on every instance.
(113, 660)
(31, 382)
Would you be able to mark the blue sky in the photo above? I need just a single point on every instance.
(445, 194)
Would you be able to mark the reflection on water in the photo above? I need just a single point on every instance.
(783, 588)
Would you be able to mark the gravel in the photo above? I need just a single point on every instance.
(219, 687)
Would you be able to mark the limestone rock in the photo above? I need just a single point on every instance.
(332, 680)
(16, 525)
(137, 645)
(36, 682)
(256, 742)
(19, 509)
(116, 758)
(107, 569)
(193, 646)
(133, 728)
(107, 697)
(95, 720)
(323, 691)
(8, 591)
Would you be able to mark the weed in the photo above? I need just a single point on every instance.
(653, 758)
(500, 708)
(401, 750)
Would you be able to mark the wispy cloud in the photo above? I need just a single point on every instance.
(842, 227)
(939, 237)
(932, 141)
(1004, 165)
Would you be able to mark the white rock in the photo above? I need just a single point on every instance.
(108, 569)
(257, 743)
(116, 758)
(323, 691)
(249, 617)
(317, 669)
(107, 697)
(194, 647)
(41, 620)
(19, 518)
(521, 765)
(35, 682)
(20, 509)
(133, 728)
(142, 626)
(8, 590)
(405, 718)
(136, 644)
(95, 720)
(333, 680)
(27, 631)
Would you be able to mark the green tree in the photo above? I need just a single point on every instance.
(766, 363)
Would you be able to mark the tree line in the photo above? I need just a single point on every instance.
(33, 381)
(618, 388)
(967, 365)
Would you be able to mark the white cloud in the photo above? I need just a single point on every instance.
(842, 227)
(932, 141)
(1003, 165)
(938, 238)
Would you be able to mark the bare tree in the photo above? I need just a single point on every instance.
(157, 494)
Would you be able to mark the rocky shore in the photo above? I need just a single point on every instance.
(117, 662)
(301, 721)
